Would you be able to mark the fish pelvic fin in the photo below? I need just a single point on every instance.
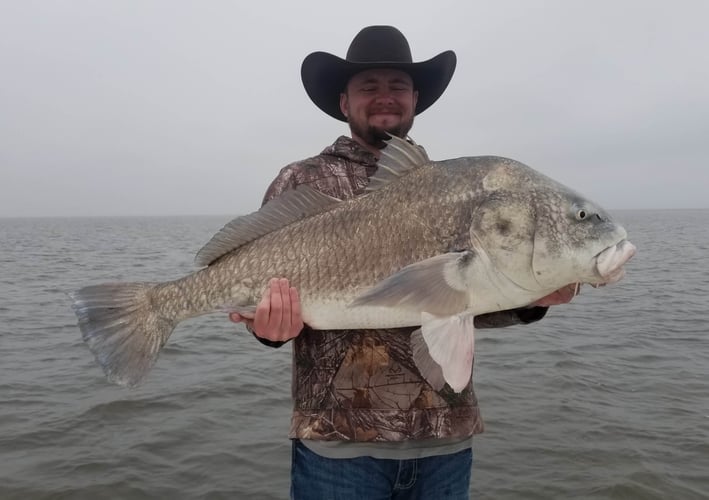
(122, 328)
(428, 368)
(443, 350)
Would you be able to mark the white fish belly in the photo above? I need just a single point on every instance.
(338, 315)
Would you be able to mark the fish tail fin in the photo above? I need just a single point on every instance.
(122, 328)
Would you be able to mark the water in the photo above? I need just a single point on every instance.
(607, 398)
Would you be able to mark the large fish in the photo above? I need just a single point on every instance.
(431, 244)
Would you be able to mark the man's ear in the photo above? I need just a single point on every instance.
(343, 104)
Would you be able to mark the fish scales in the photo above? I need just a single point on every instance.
(329, 256)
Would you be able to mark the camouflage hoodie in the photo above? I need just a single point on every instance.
(362, 385)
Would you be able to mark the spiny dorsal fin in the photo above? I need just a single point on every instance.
(291, 206)
(398, 158)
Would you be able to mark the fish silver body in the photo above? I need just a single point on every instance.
(431, 244)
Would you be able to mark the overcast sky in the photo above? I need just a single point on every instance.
(192, 107)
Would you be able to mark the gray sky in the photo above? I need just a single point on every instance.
(140, 107)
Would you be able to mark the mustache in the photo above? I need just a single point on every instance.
(384, 109)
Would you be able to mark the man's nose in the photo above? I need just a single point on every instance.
(385, 96)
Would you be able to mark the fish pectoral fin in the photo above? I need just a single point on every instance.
(444, 348)
(434, 285)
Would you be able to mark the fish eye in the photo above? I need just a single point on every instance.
(581, 211)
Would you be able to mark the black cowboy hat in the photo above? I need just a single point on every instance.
(325, 76)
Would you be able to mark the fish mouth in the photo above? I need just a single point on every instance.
(610, 261)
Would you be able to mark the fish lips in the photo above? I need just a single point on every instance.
(610, 261)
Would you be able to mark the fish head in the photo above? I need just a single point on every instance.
(542, 235)
(577, 241)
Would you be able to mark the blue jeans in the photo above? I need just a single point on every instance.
(365, 478)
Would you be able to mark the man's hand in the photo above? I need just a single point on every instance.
(561, 296)
(277, 317)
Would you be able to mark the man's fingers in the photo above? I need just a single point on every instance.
(242, 317)
(296, 318)
(561, 296)
(276, 318)
(263, 311)
(284, 290)
(239, 318)
(278, 315)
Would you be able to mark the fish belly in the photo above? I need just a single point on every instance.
(337, 315)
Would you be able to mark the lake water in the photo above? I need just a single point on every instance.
(606, 398)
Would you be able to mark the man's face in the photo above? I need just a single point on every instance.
(377, 101)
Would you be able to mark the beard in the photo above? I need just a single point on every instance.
(376, 136)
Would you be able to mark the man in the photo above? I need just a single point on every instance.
(365, 423)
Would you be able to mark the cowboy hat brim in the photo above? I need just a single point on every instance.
(325, 77)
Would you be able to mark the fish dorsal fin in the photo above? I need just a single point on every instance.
(291, 206)
(397, 159)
